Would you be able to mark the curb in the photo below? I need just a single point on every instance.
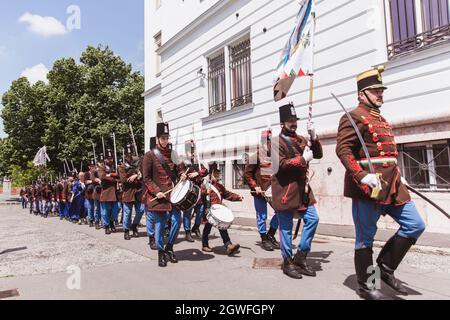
(377, 244)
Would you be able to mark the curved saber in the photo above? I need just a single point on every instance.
(375, 191)
(428, 200)
(366, 152)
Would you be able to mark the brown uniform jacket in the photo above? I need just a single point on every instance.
(288, 183)
(129, 188)
(224, 193)
(67, 190)
(258, 172)
(155, 179)
(109, 184)
(379, 139)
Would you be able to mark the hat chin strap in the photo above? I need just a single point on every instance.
(370, 101)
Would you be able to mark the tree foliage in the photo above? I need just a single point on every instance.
(80, 104)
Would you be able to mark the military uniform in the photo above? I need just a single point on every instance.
(213, 192)
(156, 179)
(108, 197)
(290, 197)
(394, 198)
(258, 173)
(130, 189)
(192, 167)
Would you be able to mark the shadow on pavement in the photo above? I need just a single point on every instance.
(193, 255)
(351, 283)
(13, 250)
(316, 259)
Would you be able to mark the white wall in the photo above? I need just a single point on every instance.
(350, 38)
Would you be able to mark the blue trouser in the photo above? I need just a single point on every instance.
(150, 222)
(187, 216)
(97, 211)
(286, 221)
(61, 209)
(160, 224)
(127, 213)
(223, 234)
(36, 207)
(89, 204)
(115, 211)
(107, 208)
(261, 216)
(366, 214)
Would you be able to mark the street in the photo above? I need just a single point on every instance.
(37, 254)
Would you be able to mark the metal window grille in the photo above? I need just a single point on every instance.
(240, 71)
(238, 175)
(217, 87)
(436, 23)
(426, 166)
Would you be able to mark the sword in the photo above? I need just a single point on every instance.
(375, 191)
(95, 158)
(366, 152)
(297, 228)
(134, 141)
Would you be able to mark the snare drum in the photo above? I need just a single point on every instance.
(185, 195)
(220, 216)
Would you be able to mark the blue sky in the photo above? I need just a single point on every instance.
(33, 33)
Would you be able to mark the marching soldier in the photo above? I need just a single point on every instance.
(291, 194)
(258, 174)
(130, 176)
(159, 175)
(67, 195)
(150, 217)
(29, 192)
(213, 193)
(97, 192)
(89, 193)
(196, 173)
(393, 199)
(108, 198)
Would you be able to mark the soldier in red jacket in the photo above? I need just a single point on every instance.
(291, 193)
(394, 198)
(213, 193)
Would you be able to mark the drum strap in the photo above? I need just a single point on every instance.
(165, 166)
(209, 185)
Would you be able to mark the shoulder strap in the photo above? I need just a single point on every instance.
(165, 166)
(289, 143)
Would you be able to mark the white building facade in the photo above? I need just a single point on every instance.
(210, 67)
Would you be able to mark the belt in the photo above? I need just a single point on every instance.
(378, 160)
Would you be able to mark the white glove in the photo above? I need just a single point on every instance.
(311, 130)
(308, 154)
(372, 181)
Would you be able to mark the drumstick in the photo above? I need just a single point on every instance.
(168, 191)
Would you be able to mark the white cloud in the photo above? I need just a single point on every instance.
(36, 73)
(43, 26)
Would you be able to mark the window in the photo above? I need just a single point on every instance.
(238, 175)
(426, 165)
(417, 24)
(217, 87)
(230, 77)
(158, 43)
(157, 4)
(240, 69)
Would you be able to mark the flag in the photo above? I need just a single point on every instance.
(297, 59)
(41, 157)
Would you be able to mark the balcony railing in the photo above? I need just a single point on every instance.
(419, 42)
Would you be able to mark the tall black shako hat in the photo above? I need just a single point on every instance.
(287, 112)
(371, 79)
(129, 151)
(152, 143)
(189, 146)
(100, 157)
(162, 128)
(109, 154)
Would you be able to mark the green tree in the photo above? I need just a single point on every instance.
(81, 104)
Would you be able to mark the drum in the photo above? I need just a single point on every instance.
(185, 195)
(220, 216)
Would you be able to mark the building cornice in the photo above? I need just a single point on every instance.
(151, 90)
(194, 24)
